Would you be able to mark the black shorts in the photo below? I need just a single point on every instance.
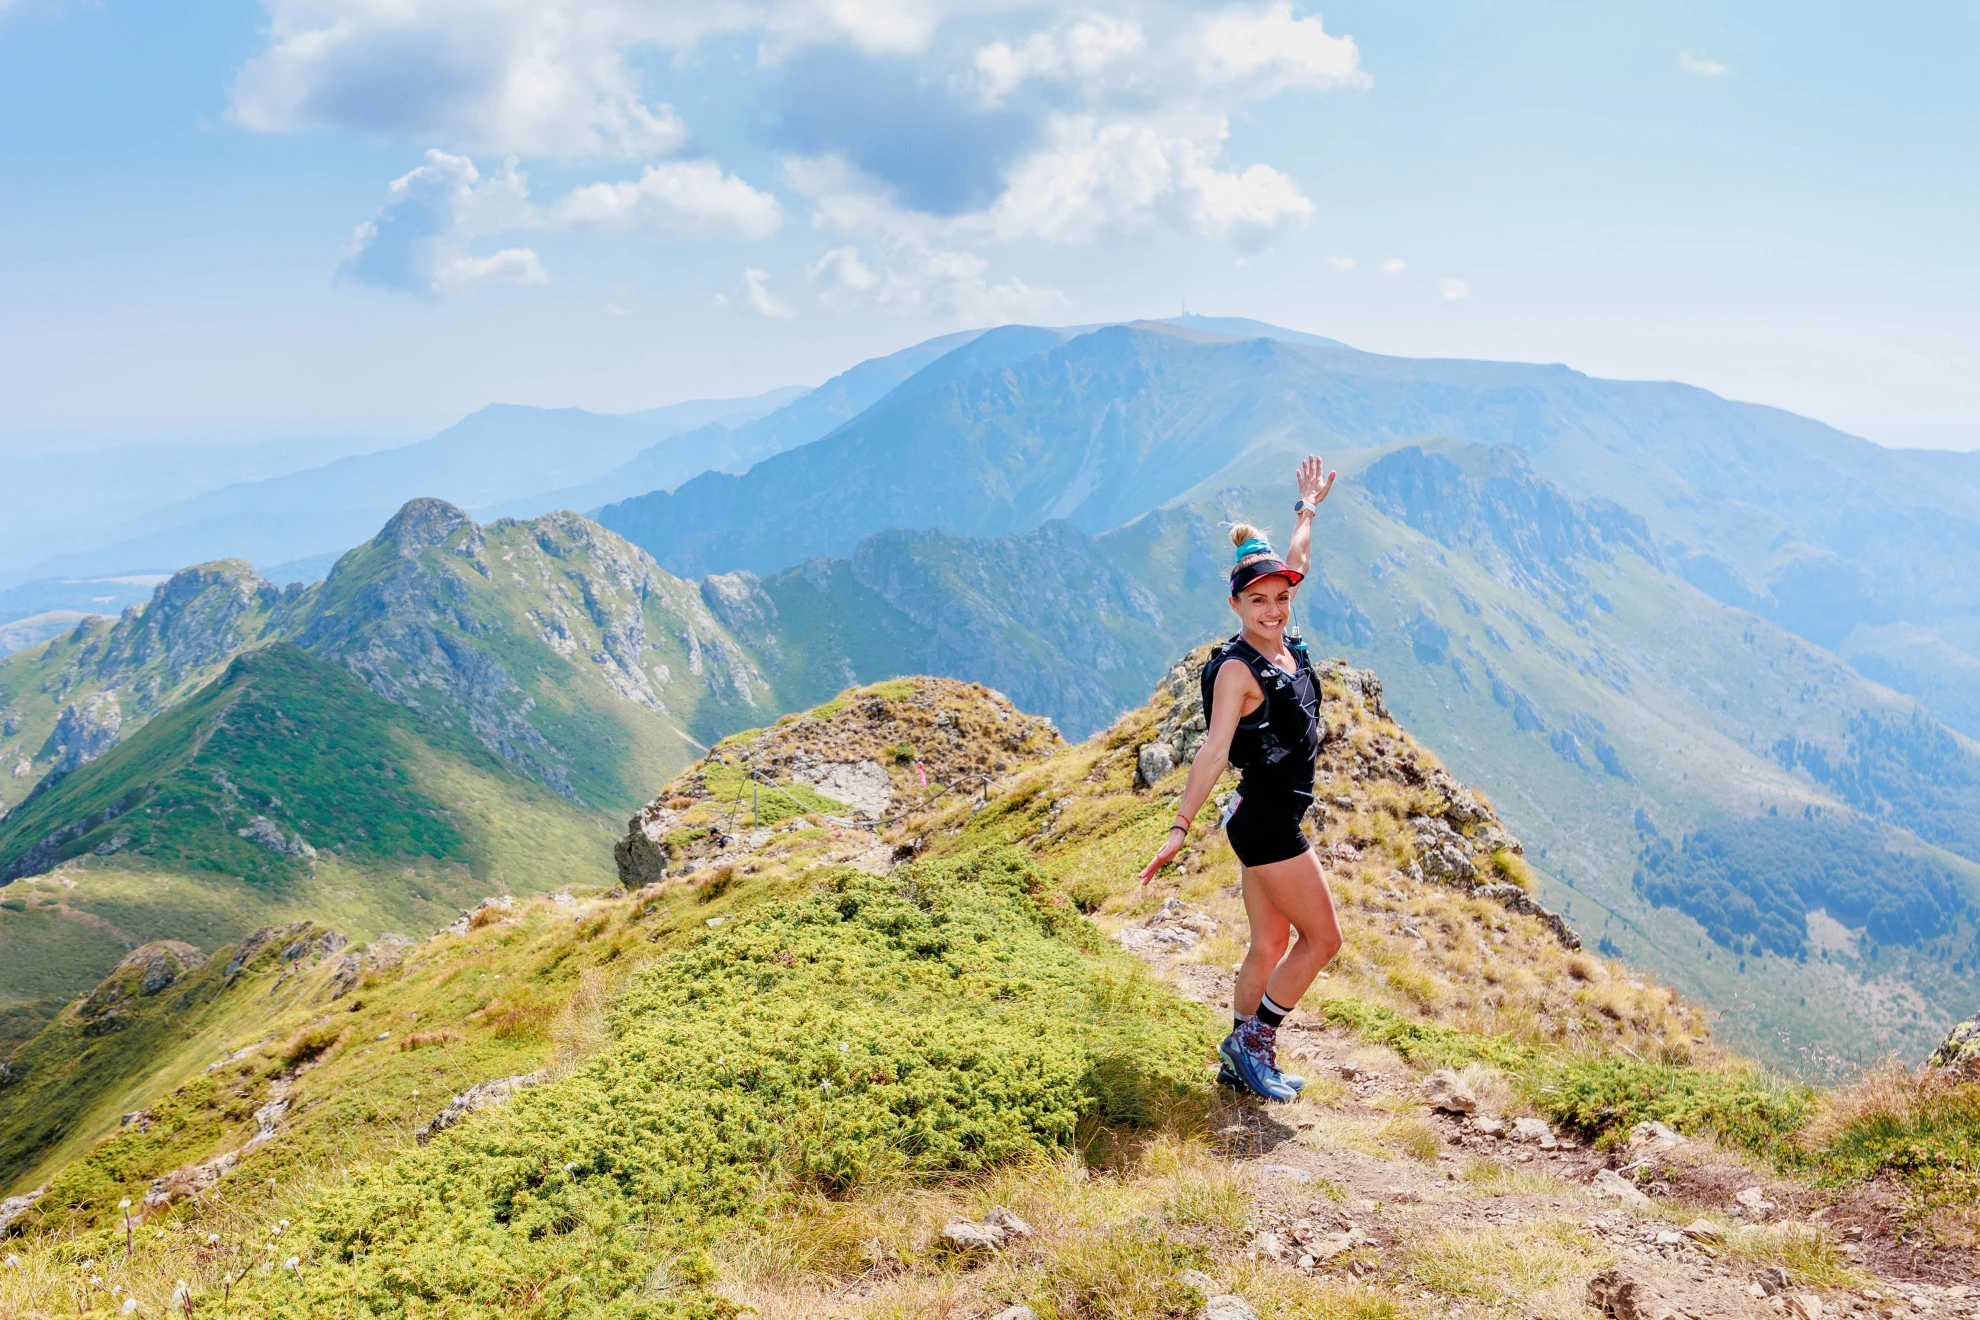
(1265, 828)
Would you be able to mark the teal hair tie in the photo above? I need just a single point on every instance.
(1252, 547)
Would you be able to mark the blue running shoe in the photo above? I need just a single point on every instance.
(1225, 1077)
(1248, 1054)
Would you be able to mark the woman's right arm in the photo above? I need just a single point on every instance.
(1227, 701)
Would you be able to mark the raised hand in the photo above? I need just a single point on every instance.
(1314, 479)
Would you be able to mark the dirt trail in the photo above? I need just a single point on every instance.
(1335, 1190)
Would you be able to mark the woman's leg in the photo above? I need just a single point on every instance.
(1293, 892)
(1269, 934)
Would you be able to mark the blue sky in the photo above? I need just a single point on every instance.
(372, 216)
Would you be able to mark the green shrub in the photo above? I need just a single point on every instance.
(935, 1022)
(1605, 1095)
(1419, 1041)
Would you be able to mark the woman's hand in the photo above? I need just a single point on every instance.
(1314, 479)
(1164, 855)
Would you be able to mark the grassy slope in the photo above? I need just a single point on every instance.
(685, 1138)
(411, 822)
(1691, 693)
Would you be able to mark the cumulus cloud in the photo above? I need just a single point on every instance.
(1449, 290)
(1273, 48)
(1082, 49)
(1703, 67)
(1393, 267)
(916, 130)
(1341, 263)
(417, 243)
(753, 296)
(920, 279)
(549, 79)
(682, 198)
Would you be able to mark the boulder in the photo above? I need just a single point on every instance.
(1227, 1306)
(1618, 1294)
(479, 1096)
(15, 1206)
(1960, 1050)
(1199, 1281)
(1007, 1224)
(1152, 762)
(1653, 1139)
(1534, 1130)
(1753, 1200)
(967, 1238)
(1447, 1091)
(1612, 1186)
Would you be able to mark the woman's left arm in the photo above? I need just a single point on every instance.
(1314, 483)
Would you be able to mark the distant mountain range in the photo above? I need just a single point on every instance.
(1662, 628)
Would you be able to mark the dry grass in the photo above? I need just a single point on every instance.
(1539, 1265)
(421, 1039)
(1492, 1178)
(1414, 1135)
(1803, 1250)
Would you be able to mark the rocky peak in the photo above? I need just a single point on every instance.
(144, 971)
(875, 751)
(421, 523)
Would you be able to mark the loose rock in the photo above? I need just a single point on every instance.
(1612, 1186)
(1007, 1224)
(1534, 1130)
(1228, 1306)
(1654, 1138)
(966, 1238)
(1446, 1090)
(1488, 1125)
(1018, 1312)
(1615, 1293)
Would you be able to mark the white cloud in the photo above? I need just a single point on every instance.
(1273, 48)
(917, 279)
(1082, 50)
(1393, 267)
(417, 243)
(1703, 67)
(1094, 177)
(753, 296)
(532, 79)
(682, 198)
(1341, 263)
(1449, 290)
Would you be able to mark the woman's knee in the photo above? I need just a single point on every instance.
(1321, 944)
(1270, 945)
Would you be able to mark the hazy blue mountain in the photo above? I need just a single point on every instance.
(73, 499)
(1864, 550)
(734, 444)
(493, 456)
(85, 595)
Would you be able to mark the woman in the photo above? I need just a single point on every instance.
(1273, 738)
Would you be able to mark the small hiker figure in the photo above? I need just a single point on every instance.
(1262, 700)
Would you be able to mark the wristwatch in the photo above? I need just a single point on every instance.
(1301, 506)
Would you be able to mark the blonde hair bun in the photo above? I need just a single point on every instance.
(1242, 532)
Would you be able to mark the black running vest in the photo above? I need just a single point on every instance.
(1278, 744)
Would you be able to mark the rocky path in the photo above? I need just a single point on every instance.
(1366, 1177)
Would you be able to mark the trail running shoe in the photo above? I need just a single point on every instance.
(1248, 1055)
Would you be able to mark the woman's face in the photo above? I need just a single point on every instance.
(1264, 605)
